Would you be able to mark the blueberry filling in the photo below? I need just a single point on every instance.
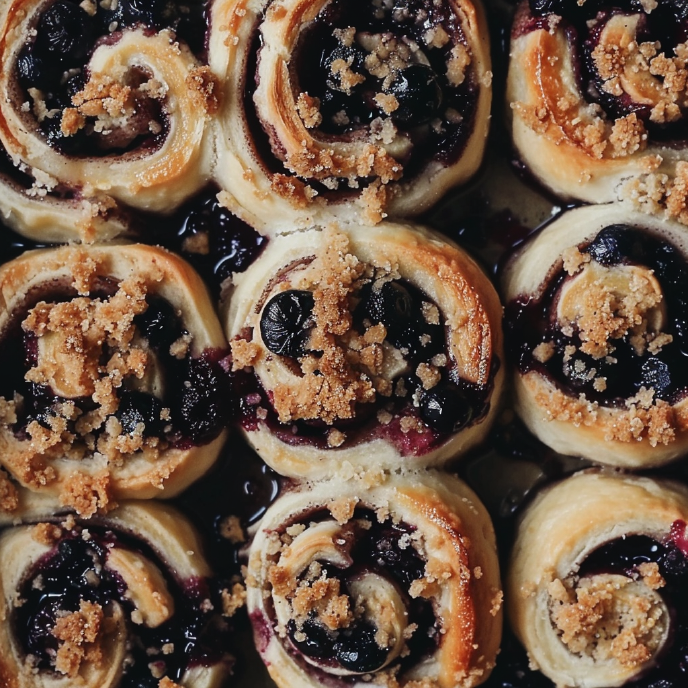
(423, 386)
(531, 323)
(76, 571)
(188, 408)
(383, 549)
(54, 61)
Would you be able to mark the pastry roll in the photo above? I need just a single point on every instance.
(399, 583)
(349, 108)
(596, 322)
(597, 583)
(113, 386)
(379, 348)
(598, 100)
(117, 602)
(102, 103)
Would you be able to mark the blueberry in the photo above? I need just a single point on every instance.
(352, 55)
(68, 145)
(286, 322)
(40, 629)
(356, 650)
(679, 8)
(674, 563)
(201, 407)
(405, 564)
(445, 408)
(655, 373)
(318, 642)
(152, 13)
(159, 323)
(418, 93)
(394, 306)
(613, 245)
(65, 32)
(139, 408)
(36, 71)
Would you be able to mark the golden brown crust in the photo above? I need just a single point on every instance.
(157, 177)
(369, 163)
(451, 532)
(64, 456)
(603, 305)
(599, 629)
(572, 146)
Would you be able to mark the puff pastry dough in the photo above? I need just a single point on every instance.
(157, 586)
(597, 345)
(383, 555)
(400, 364)
(595, 127)
(290, 158)
(102, 412)
(133, 71)
(578, 621)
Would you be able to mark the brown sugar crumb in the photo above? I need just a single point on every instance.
(657, 193)
(244, 354)
(335, 438)
(649, 571)
(347, 77)
(72, 122)
(233, 600)
(46, 533)
(166, 682)
(230, 529)
(411, 424)
(77, 634)
(628, 136)
(291, 188)
(309, 110)
(373, 199)
(573, 259)
(387, 102)
(87, 494)
(459, 59)
(428, 375)
(608, 618)
(197, 243)
(544, 351)
(204, 89)
(343, 509)
(9, 497)
(497, 602)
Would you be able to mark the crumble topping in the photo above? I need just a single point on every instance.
(309, 110)
(608, 617)
(230, 529)
(233, 600)
(9, 497)
(46, 533)
(204, 89)
(78, 636)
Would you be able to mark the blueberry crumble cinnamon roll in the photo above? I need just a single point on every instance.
(398, 586)
(121, 601)
(379, 348)
(105, 103)
(358, 109)
(596, 589)
(598, 100)
(596, 324)
(113, 385)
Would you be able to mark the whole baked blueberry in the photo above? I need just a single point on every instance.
(318, 642)
(357, 650)
(140, 412)
(418, 94)
(64, 33)
(286, 322)
(446, 408)
(613, 245)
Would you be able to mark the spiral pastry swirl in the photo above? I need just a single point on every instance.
(114, 386)
(402, 581)
(378, 348)
(100, 108)
(348, 108)
(596, 328)
(117, 602)
(596, 586)
(599, 103)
